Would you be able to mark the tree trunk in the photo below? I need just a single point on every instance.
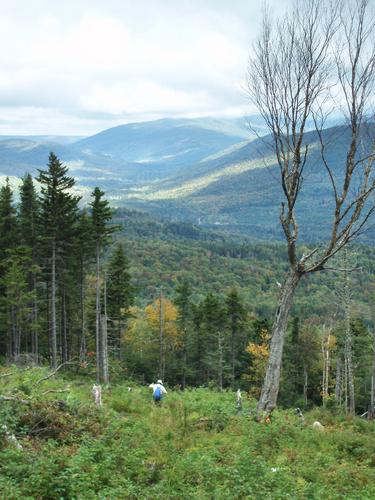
(82, 348)
(35, 337)
(53, 309)
(233, 351)
(221, 360)
(161, 339)
(338, 381)
(373, 372)
(270, 389)
(305, 384)
(97, 319)
(104, 360)
(64, 328)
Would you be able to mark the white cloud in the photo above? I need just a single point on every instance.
(86, 65)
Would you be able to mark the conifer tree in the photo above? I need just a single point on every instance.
(120, 293)
(28, 220)
(7, 242)
(184, 320)
(16, 302)
(215, 339)
(59, 211)
(101, 215)
(84, 250)
(236, 316)
(7, 220)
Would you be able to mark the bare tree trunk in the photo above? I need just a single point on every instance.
(326, 365)
(35, 336)
(104, 335)
(184, 356)
(221, 360)
(233, 354)
(348, 345)
(161, 338)
(338, 380)
(97, 318)
(104, 361)
(305, 383)
(53, 309)
(82, 349)
(373, 373)
(270, 389)
(64, 328)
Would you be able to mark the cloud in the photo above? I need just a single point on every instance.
(86, 65)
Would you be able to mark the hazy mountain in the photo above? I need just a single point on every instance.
(170, 142)
(197, 170)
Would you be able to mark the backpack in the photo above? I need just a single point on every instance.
(158, 394)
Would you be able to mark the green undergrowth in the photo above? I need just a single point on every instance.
(194, 446)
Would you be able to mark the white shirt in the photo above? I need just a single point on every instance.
(155, 386)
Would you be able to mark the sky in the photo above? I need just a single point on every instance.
(79, 67)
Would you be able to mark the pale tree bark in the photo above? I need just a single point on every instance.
(161, 337)
(53, 309)
(290, 79)
(98, 340)
(104, 334)
(326, 364)
(221, 358)
(338, 379)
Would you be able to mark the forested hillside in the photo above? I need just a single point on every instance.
(164, 297)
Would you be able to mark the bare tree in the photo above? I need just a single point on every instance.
(294, 70)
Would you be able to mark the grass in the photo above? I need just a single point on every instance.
(194, 446)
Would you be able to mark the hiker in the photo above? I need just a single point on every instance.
(158, 391)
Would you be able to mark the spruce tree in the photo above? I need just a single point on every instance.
(120, 293)
(8, 223)
(101, 215)
(8, 234)
(28, 221)
(59, 212)
(235, 313)
(184, 321)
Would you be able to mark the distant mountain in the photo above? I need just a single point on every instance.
(46, 139)
(169, 141)
(239, 190)
(214, 172)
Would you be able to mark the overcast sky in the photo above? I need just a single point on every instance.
(78, 67)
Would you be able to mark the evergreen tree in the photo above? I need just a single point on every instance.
(235, 312)
(15, 302)
(216, 345)
(8, 222)
(59, 212)
(101, 215)
(84, 251)
(184, 322)
(8, 235)
(120, 293)
(28, 220)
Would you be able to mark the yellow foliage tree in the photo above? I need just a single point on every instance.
(259, 353)
(167, 316)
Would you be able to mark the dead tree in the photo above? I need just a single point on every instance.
(292, 75)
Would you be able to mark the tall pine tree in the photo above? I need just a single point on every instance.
(59, 212)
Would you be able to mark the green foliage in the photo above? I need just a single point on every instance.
(195, 445)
